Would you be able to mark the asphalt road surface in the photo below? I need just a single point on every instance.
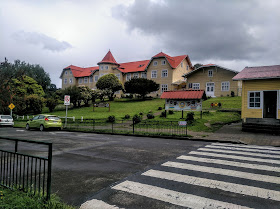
(85, 164)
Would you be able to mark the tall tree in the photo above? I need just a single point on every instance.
(141, 86)
(110, 83)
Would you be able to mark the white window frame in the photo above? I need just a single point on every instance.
(155, 63)
(70, 80)
(164, 87)
(101, 67)
(65, 80)
(80, 80)
(260, 97)
(210, 73)
(96, 78)
(143, 75)
(163, 62)
(164, 73)
(225, 84)
(91, 79)
(135, 75)
(128, 76)
(154, 74)
(85, 79)
(106, 67)
(118, 76)
(196, 86)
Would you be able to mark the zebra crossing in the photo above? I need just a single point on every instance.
(214, 176)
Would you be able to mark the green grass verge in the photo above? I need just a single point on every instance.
(17, 199)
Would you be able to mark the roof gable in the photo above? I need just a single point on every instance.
(186, 94)
(80, 72)
(261, 72)
(109, 58)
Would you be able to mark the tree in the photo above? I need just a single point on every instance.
(110, 83)
(34, 104)
(141, 86)
(74, 93)
(86, 94)
(51, 103)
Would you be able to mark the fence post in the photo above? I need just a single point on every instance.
(187, 129)
(73, 119)
(112, 127)
(133, 126)
(49, 180)
(93, 123)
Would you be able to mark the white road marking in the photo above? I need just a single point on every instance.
(214, 184)
(226, 172)
(97, 204)
(245, 149)
(236, 157)
(239, 153)
(230, 163)
(173, 197)
(247, 146)
(20, 130)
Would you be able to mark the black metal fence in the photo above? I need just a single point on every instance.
(162, 128)
(25, 172)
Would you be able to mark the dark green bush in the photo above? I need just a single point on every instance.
(126, 116)
(170, 112)
(150, 116)
(111, 119)
(136, 118)
(190, 117)
(163, 114)
(159, 108)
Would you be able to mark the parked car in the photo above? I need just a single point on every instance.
(43, 122)
(6, 120)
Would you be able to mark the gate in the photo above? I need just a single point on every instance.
(26, 172)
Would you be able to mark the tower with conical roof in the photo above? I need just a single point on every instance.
(108, 64)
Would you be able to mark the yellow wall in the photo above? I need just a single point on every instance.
(67, 74)
(257, 85)
(219, 75)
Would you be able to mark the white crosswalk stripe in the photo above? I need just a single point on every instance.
(247, 171)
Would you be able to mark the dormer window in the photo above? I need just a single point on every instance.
(155, 63)
(141, 65)
(163, 62)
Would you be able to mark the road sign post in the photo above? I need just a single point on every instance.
(66, 103)
(11, 106)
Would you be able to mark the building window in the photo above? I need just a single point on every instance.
(154, 74)
(66, 72)
(135, 75)
(164, 87)
(196, 85)
(90, 79)
(101, 67)
(155, 63)
(128, 76)
(190, 85)
(80, 80)
(254, 99)
(187, 67)
(225, 86)
(70, 80)
(163, 62)
(106, 67)
(65, 80)
(182, 64)
(118, 76)
(85, 79)
(164, 73)
(143, 75)
(70, 72)
(210, 73)
(96, 78)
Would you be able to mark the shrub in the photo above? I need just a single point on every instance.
(170, 112)
(136, 118)
(111, 119)
(140, 113)
(163, 114)
(232, 93)
(159, 108)
(51, 103)
(150, 116)
(190, 117)
(126, 116)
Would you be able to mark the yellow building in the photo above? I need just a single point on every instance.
(214, 79)
(162, 68)
(260, 93)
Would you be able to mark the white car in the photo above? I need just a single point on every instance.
(6, 120)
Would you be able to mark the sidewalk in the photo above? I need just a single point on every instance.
(233, 133)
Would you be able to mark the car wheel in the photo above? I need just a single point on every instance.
(42, 128)
(27, 127)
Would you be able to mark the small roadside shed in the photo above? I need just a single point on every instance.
(187, 100)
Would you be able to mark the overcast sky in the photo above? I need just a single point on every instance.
(58, 33)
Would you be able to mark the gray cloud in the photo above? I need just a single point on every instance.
(47, 42)
(207, 29)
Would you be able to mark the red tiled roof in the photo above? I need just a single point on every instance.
(81, 72)
(137, 66)
(186, 94)
(262, 72)
(173, 61)
(108, 59)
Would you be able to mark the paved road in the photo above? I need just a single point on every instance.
(214, 176)
(85, 163)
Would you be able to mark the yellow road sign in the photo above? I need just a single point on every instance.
(11, 106)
